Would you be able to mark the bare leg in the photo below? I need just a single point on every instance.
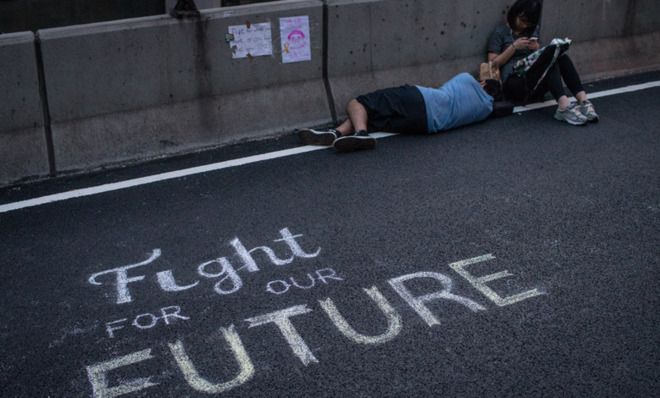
(345, 128)
(581, 96)
(356, 123)
(357, 114)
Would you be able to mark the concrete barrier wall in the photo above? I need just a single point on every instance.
(597, 19)
(378, 43)
(610, 38)
(23, 150)
(133, 89)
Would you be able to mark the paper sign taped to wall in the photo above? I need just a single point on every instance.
(251, 40)
(294, 32)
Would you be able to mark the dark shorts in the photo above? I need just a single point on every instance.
(395, 110)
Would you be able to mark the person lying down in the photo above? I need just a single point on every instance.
(409, 110)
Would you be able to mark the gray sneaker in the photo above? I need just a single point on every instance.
(588, 110)
(354, 142)
(318, 137)
(571, 115)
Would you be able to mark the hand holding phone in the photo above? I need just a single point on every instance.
(533, 43)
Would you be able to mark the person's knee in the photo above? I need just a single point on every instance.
(352, 104)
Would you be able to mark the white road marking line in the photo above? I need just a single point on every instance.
(78, 193)
(600, 94)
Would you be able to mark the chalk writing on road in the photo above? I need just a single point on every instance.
(283, 322)
(322, 276)
(147, 320)
(168, 315)
(221, 269)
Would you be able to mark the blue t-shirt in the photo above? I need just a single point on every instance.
(458, 102)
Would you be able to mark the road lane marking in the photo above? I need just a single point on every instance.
(116, 186)
(600, 94)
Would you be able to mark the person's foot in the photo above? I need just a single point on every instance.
(318, 137)
(354, 142)
(587, 109)
(571, 115)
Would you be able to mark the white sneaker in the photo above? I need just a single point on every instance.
(571, 115)
(588, 110)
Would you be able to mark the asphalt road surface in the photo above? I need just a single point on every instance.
(515, 257)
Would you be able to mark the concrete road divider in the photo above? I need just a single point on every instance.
(130, 90)
(610, 38)
(23, 150)
(377, 43)
(133, 89)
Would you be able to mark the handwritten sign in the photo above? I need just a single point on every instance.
(294, 33)
(251, 40)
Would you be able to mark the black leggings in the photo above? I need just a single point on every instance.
(520, 90)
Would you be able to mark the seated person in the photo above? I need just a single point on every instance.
(409, 110)
(515, 42)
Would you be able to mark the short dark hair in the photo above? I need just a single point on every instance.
(530, 10)
(493, 88)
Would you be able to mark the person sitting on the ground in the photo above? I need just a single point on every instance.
(517, 40)
(409, 109)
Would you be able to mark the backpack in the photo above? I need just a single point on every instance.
(559, 46)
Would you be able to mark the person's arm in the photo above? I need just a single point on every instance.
(505, 56)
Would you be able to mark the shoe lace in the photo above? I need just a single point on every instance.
(573, 108)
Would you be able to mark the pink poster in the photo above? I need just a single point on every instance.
(294, 32)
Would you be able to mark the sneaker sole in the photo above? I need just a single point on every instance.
(572, 123)
(352, 143)
(311, 138)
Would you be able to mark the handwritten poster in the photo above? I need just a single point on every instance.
(252, 40)
(294, 32)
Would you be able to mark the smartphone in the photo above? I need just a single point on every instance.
(533, 39)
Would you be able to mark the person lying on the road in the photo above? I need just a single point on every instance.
(409, 109)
